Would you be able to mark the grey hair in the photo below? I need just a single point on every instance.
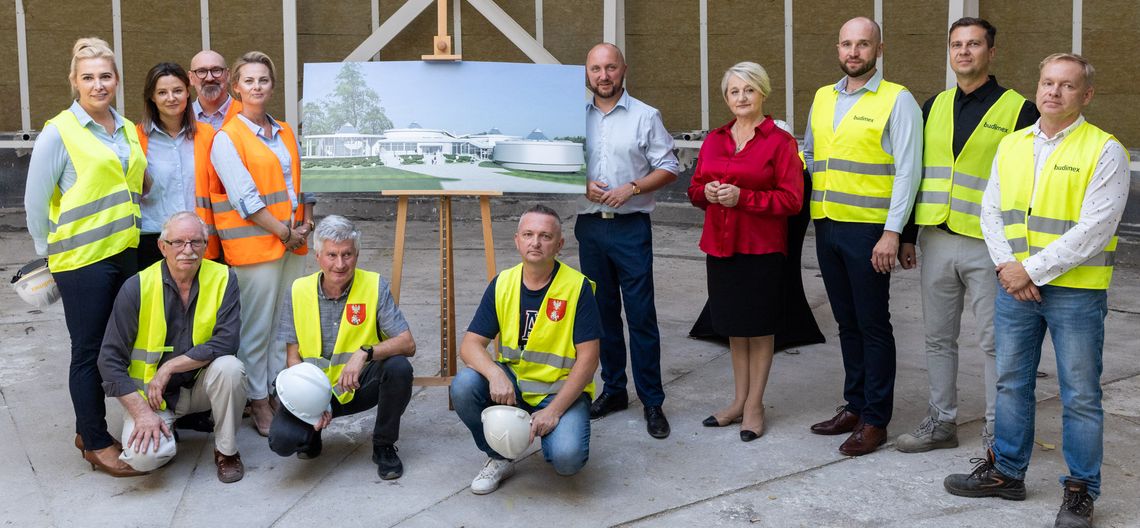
(179, 216)
(1086, 67)
(542, 210)
(336, 228)
(752, 74)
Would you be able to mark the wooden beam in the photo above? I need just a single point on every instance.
(388, 30)
(513, 31)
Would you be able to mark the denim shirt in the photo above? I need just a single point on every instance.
(170, 165)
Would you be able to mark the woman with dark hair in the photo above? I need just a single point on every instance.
(81, 199)
(177, 151)
(263, 220)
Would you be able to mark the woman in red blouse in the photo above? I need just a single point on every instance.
(748, 180)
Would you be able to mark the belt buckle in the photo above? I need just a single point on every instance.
(608, 215)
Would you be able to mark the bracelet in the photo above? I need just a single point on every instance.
(287, 237)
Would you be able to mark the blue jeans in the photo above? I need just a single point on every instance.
(617, 254)
(1075, 320)
(860, 300)
(567, 447)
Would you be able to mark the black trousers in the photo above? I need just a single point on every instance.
(386, 385)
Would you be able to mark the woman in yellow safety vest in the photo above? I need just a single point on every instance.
(262, 220)
(82, 202)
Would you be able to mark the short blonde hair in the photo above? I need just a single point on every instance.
(252, 57)
(90, 48)
(1086, 66)
(752, 74)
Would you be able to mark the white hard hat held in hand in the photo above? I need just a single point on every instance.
(305, 391)
(35, 285)
(507, 430)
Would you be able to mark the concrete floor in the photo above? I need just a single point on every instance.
(696, 477)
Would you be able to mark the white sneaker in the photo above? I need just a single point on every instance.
(493, 472)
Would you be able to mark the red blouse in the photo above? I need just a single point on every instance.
(768, 172)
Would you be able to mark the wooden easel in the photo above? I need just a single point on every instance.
(447, 348)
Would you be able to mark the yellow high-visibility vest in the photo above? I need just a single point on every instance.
(357, 326)
(542, 367)
(852, 176)
(99, 216)
(951, 189)
(150, 342)
(1056, 199)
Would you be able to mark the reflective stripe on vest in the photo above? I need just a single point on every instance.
(242, 241)
(542, 367)
(99, 215)
(357, 327)
(852, 176)
(150, 342)
(951, 189)
(203, 140)
(1056, 198)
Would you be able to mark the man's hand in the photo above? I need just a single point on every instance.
(595, 190)
(617, 196)
(542, 422)
(349, 379)
(149, 427)
(326, 418)
(502, 390)
(1016, 281)
(728, 194)
(156, 387)
(908, 258)
(1028, 293)
(885, 251)
(710, 192)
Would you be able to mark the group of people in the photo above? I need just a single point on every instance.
(996, 184)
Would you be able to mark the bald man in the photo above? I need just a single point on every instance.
(210, 77)
(863, 146)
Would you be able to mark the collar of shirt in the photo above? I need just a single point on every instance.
(981, 93)
(85, 119)
(321, 291)
(169, 282)
(622, 102)
(1036, 130)
(221, 111)
(763, 128)
(274, 128)
(871, 86)
(155, 127)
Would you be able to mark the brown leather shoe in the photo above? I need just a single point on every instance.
(107, 460)
(843, 422)
(230, 468)
(866, 439)
(79, 443)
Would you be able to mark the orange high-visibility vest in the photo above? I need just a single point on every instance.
(203, 140)
(244, 242)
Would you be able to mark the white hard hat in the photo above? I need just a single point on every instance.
(35, 285)
(305, 391)
(507, 430)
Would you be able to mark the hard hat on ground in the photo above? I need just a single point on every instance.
(305, 391)
(507, 430)
(35, 285)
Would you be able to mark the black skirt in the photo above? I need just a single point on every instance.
(745, 293)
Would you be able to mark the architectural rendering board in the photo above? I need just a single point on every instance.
(466, 126)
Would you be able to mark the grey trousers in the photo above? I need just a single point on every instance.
(953, 265)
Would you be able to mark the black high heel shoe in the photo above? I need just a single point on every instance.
(711, 421)
(748, 436)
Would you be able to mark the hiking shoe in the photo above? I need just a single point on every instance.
(1076, 508)
(494, 472)
(388, 464)
(985, 481)
(930, 434)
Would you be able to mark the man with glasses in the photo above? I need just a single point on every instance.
(169, 350)
(210, 77)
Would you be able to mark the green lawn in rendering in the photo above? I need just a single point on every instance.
(368, 179)
(572, 178)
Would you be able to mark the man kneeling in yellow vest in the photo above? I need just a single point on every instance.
(169, 350)
(545, 313)
(360, 340)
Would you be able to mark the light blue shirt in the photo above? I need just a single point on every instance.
(50, 167)
(216, 119)
(170, 165)
(239, 185)
(902, 138)
(623, 145)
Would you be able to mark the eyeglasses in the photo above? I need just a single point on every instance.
(180, 244)
(202, 73)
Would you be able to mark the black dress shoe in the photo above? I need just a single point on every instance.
(748, 436)
(607, 403)
(199, 421)
(655, 422)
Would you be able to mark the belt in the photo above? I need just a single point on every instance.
(609, 215)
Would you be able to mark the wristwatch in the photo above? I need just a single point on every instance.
(367, 350)
(636, 188)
